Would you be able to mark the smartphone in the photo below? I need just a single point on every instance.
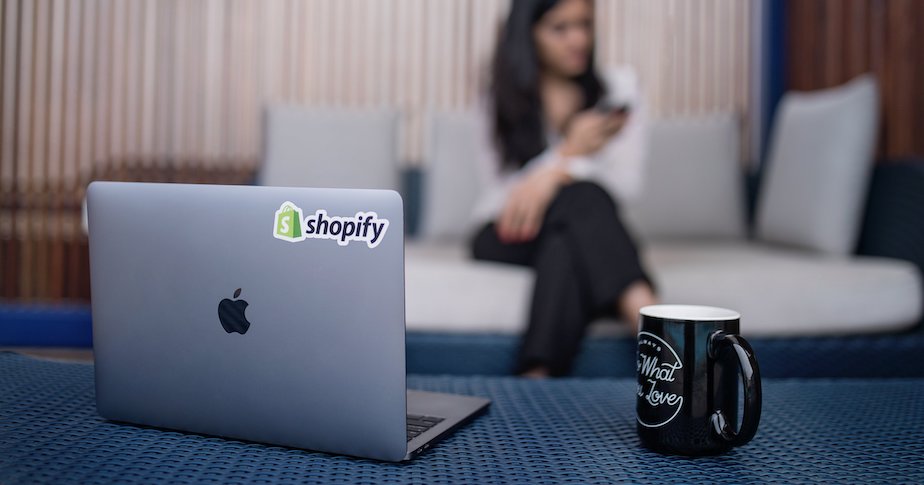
(613, 108)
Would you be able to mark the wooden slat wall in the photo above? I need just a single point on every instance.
(173, 90)
(692, 56)
(830, 41)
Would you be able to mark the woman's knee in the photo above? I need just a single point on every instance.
(485, 245)
(585, 196)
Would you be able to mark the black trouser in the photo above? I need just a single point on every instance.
(584, 259)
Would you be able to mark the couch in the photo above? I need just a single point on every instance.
(826, 272)
(828, 280)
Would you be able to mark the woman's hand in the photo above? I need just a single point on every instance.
(521, 217)
(589, 130)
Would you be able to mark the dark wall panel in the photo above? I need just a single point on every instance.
(830, 41)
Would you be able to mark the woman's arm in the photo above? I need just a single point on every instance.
(496, 184)
(619, 165)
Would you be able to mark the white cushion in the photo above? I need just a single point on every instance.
(694, 182)
(821, 157)
(317, 147)
(447, 292)
(778, 291)
(782, 291)
(451, 186)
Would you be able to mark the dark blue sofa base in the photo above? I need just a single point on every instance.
(893, 355)
(26, 325)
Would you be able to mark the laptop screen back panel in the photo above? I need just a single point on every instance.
(321, 362)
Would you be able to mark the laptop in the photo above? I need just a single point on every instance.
(264, 314)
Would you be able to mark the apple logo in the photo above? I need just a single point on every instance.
(231, 314)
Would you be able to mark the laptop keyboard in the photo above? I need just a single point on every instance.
(417, 424)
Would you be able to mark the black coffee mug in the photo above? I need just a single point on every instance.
(689, 358)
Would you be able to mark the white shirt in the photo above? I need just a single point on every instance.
(617, 167)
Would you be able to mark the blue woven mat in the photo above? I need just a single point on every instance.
(579, 430)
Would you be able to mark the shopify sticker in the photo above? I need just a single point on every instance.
(291, 225)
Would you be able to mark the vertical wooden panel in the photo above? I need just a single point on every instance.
(9, 262)
(51, 188)
(88, 61)
(856, 24)
(69, 120)
(833, 58)
(148, 54)
(117, 79)
(176, 59)
(132, 112)
(101, 85)
(901, 52)
(917, 80)
(24, 144)
(9, 95)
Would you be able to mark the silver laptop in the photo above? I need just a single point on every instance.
(259, 313)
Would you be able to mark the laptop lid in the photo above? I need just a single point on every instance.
(259, 313)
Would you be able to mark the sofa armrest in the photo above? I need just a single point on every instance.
(894, 222)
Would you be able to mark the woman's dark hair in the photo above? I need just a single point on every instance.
(514, 89)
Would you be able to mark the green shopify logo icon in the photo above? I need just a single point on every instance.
(288, 223)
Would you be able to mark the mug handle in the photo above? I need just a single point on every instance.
(750, 373)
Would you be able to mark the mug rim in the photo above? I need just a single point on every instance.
(692, 313)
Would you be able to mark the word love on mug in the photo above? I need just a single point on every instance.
(660, 384)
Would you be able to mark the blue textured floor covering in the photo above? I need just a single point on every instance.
(535, 432)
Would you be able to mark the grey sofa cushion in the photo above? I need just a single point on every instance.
(693, 185)
(778, 291)
(820, 162)
(451, 187)
(317, 147)
(781, 291)
(448, 292)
